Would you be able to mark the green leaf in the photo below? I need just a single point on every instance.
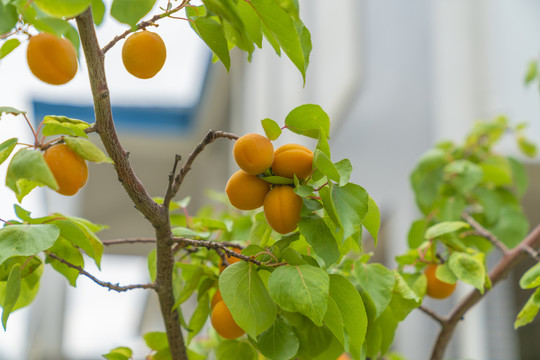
(279, 180)
(328, 203)
(309, 120)
(26, 240)
(302, 289)
(497, 170)
(531, 278)
(416, 233)
(8, 18)
(378, 282)
(6, 148)
(529, 310)
(469, 268)
(279, 342)
(56, 125)
(80, 235)
(156, 340)
(323, 163)
(344, 169)
(29, 284)
(334, 322)
(67, 251)
(13, 289)
(199, 317)
(351, 203)
(444, 273)
(211, 32)
(320, 238)
(527, 147)
(519, 174)
(253, 24)
(511, 227)
(247, 298)
(189, 287)
(532, 72)
(445, 228)
(98, 11)
(463, 175)
(350, 304)
(27, 170)
(491, 203)
(426, 179)
(131, 11)
(62, 8)
(10, 110)
(372, 221)
(87, 150)
(271, 128)
(235, 350)
(8, 46)
(119, 353)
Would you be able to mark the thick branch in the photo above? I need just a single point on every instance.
(512, 258)
(110, 286)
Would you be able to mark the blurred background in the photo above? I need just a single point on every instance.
(395, 78)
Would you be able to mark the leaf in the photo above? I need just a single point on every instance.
(416, 233)
(199, 317)
(10, 110)
(326, 196)
(56, 125)
(29, 285)
(309, 120)
(519, 174)
(98, 11)
(445, 228)
(80, 235)
(253, 25)
(511, 227)
(119, 353)
(27, 170)
(372, 220)
(532, 72)
(426, 179)
(463, 175)
(8, 18)
(131, 11)
(279, 342)
(62, 8)
(323, 163)
(320, 238)
(491, 203)
(469, 268)
(350, 304)
(497, 170)
(351, 203)
(334, 322)
(531, 278)
(26, 240)
(8, 47)
(527, 147)
(271, 128)
(156, 340)
(344, 169)
(211, 32)
(13, 289)
(529, 310)
(6, 148)
(235, 350)
(302, 289)
(246, 297)
(67, 251)
(378, 282)
(279, 180)
(189, 287)
(87, 150)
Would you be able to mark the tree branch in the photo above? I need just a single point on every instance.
(110, 286)
(512, 258)
(128, 241)
(223, 246)
(432, 314)
(483, 232)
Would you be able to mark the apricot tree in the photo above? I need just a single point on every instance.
(290, 281)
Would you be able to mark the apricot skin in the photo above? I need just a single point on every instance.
(245, 191)
(253, 153)
(292, 159)
(68, 168)
(144, 54)
(51, 59)
(436, 288)
(223, 322)
(282, 209)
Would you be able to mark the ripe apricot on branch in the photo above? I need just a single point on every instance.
(51, 59)
(144, 54)
(292, 159)
(245, 191)
(68, 168)
(224, 323)
(282, 209)
(253, 153)
(215, 299)
(436, 288)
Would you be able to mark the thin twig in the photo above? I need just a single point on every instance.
(216, 246)
(432, 313)
(483, 232)
(115, 287)
(143, 25)
(128, 241)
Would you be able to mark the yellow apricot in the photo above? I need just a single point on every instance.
(215, 299)
(253, 153)
(51, 59)
(437, 288)
(292, 159)
(245, 191)
(144, 54)
(224, 323)
(282, 208)
(68, 168)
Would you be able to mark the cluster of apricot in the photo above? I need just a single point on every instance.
(69, 169)
(53, 59)
(247, 190)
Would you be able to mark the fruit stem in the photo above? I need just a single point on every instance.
(33, 131)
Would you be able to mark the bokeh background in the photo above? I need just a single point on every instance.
(395, 77)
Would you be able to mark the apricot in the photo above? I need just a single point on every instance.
(51, 59)
(245, 191)
(292, 159)
(230, 259)
(215, 299)
(437, 288)
(282, 209)
(144, 54)
(68, 168)
(223, 322)
(253, 153)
